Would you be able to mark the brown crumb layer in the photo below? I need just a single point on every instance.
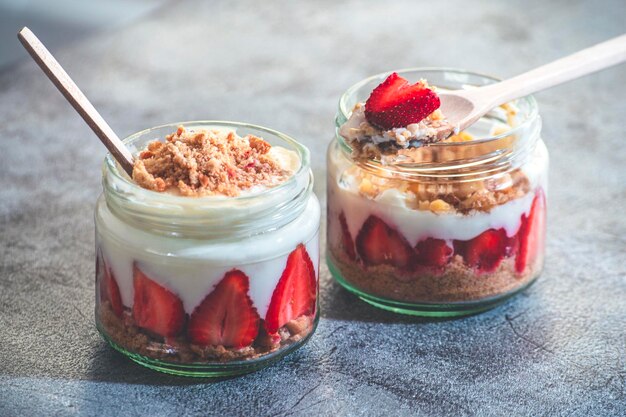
(448, 195)
(204, 162)
(457, 282)
(126, 334)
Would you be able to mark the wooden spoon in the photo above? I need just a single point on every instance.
(77, 99)
(464, 107)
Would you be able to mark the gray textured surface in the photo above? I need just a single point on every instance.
(558, 349)
(60, 22)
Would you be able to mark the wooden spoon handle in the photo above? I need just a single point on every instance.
(77, 99)
(595, 58)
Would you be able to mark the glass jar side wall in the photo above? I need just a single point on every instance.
(207, 286)
(420, 246)
(234, 324)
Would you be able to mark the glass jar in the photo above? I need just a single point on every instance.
(449, 229)
(208, 286)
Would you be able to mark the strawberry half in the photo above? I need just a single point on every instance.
(531, 234)
(346, 239)
(377, 243)
(485, 251)
(396, 103)
(226, 316)
(109, 290)
(295, 293)
(433, 252)
(155, 308)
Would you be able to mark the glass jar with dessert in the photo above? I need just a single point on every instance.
(208, 257)
(427, 227)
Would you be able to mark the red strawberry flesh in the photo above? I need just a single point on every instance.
(531, 235)
(433, 252)
(396, 103)
(486, 251)
(226, 316)
(295, 294)
(377, 243)
(155, 308)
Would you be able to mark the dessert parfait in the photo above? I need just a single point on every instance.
(207, 258)
(427, 225)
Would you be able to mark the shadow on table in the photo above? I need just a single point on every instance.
(109, 365)
(339, 303)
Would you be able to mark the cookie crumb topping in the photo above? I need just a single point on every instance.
(205, 162)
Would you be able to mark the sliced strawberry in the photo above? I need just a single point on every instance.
(226, 316)
(155, 308)
(346, 239)
(433, 252)
(531, 234)
(485, 251)
(377, 243)
(396, 103)
(512, 245)
(295, 294)
(112, 291)
(109, 290)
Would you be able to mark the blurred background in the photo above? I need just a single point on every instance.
(61, 21)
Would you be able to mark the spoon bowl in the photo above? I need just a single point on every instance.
(457, 108)
(462, 108)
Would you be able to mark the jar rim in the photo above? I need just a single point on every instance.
(202, 217)
(530, 100)
(113, 166)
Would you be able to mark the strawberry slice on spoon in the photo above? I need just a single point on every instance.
(396, 103)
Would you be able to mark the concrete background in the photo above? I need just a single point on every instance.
(557, 349)
(62, 22)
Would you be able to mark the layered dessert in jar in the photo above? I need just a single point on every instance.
(427, 225)
(208, 257)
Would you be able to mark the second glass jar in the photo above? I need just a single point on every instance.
(449, 229)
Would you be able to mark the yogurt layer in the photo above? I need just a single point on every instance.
(417, 225)
(393, 207)
(192, 267)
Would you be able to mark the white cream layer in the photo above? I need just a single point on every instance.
(416, 225)
(192, 267)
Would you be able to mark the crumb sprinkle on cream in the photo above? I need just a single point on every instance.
(205, 162)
